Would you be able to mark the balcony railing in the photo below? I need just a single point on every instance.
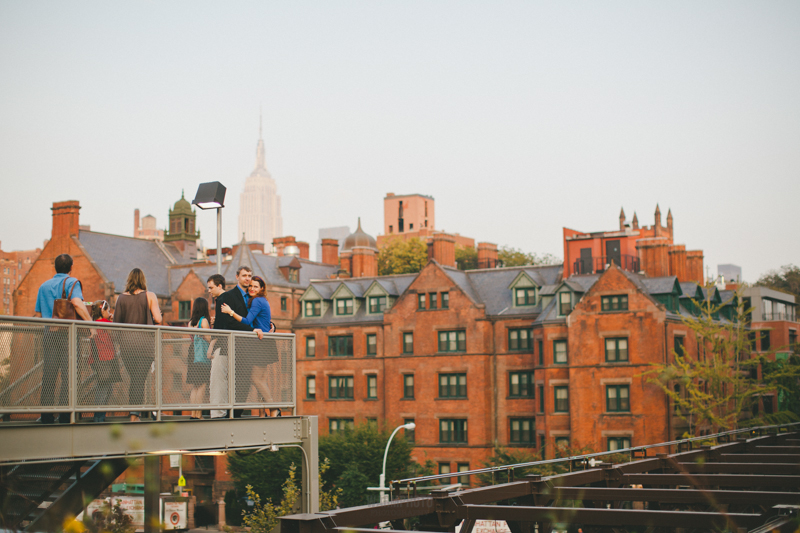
(790, 317)
(598, 265)
(63, 366)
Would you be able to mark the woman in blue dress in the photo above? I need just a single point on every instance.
(258, 317)
(199, 369)
(258, 314)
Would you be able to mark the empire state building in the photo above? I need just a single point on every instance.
(259, 204)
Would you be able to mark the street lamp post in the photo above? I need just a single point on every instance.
(383, 488)
(211, 195)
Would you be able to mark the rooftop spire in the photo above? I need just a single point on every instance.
(260, 164)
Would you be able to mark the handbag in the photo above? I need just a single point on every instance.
(63, 307)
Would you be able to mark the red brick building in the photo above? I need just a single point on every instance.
(14, 266)
(650, 250)
(102, 262)
(516, 356)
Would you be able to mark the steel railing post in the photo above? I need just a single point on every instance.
(158, 374)
(294, 375)
(231, 373)
(72, 378)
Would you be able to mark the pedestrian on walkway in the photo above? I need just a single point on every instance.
(137, 305)
(218, 381)
(55, 356)
(103, 359)
(199, 372)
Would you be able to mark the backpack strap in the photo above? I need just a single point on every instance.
(72, 289)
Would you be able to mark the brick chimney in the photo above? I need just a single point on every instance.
(282, 242)
(653, 256)
(303, 249)
(136, 222)
(694, 266)
(677, 262)
(330, 251)
(363, 263)
(66, 218)
(487, 255)
(442, 249)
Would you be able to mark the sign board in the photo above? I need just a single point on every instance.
(181, 481)
(174, 514)
(174, 461)
(488, 526)
(174, 510)
(132, 506)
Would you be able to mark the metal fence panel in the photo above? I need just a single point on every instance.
(132, 368)
(264, 371)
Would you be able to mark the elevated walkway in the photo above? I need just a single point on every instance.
(73, 370)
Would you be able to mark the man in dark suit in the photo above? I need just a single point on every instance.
(237, 299)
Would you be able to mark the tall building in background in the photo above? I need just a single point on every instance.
(260, 206)
(340, 233)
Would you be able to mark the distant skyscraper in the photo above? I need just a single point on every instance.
(260, 206)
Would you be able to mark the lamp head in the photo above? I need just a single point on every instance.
(410, 425)
(210, 195)
(273, 448)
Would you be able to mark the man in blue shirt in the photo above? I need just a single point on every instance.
(55, 359)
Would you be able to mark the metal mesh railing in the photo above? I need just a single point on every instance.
(58, 366)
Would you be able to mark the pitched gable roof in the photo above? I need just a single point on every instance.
(116, 256)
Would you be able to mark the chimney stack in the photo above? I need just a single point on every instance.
(677, 262)
(653, 256)
(66, 218)
(136, 222)
(442, 249)
(330, 251)
(487, 255)
(694, 266)
(303, 249)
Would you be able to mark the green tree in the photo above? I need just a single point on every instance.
(361, 449)
(715, 387)
(260, 470)
(512, 257)
(786, 279)
(358, 450)
(264, 515)
(466, 258)
(783, 375)
(402, 256)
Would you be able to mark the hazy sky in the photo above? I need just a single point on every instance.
(519, 118)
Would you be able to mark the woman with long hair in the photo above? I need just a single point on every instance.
(199, 371)
(137, 305)
(258, 317)
(259, 313)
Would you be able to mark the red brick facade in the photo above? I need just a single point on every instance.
(636, 249)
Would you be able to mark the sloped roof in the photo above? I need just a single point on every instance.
(461, 279)
(117, 255)
(663, 285)
(549, 313)
(690, 289)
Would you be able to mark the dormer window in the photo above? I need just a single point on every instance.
(564, 303)
(377, 304)
(313, 308)
(294, 275)
(344, 306)
(524, 297)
